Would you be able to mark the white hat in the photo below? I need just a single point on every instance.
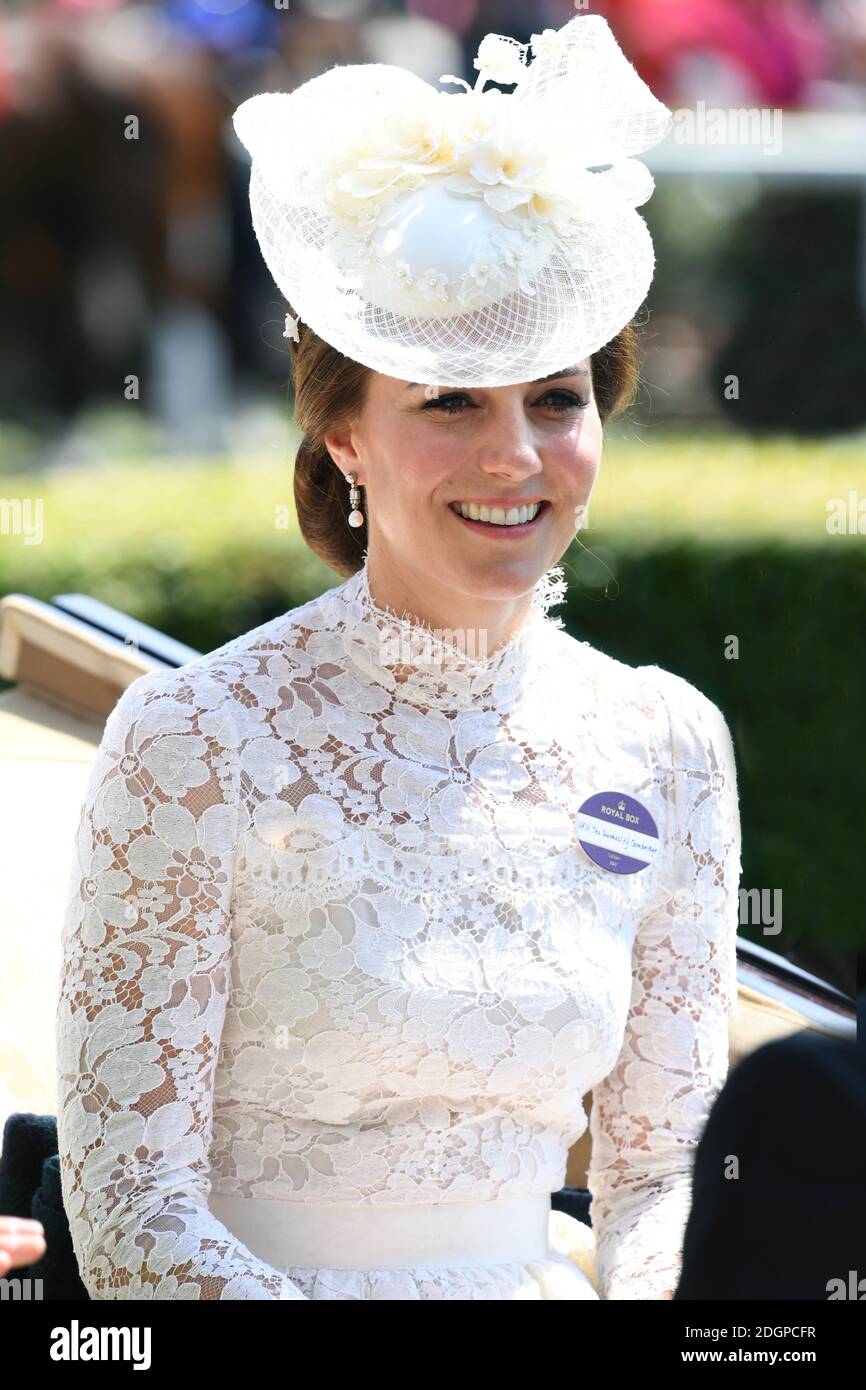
(461, 238)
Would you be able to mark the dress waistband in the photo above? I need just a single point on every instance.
(355, 1235)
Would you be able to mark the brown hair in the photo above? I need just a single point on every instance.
(331, 389)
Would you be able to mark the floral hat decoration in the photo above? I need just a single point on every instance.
(467, 237)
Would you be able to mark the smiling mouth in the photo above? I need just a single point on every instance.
(508, 521)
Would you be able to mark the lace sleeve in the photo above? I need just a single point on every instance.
(143, 988)
(648, 1114)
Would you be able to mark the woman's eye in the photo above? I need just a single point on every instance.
(561, 401)
(568, 400)
(444, 403)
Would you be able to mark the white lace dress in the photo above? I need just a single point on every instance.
(337, 974)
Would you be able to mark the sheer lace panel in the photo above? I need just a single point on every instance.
(648, 1114)
(144, 985)
(331, 937)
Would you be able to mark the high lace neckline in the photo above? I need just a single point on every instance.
(420, 665)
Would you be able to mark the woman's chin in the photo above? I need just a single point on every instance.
(492, 577)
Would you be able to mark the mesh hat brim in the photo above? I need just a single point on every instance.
(593, 284)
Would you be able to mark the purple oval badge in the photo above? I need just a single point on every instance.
(617, 832)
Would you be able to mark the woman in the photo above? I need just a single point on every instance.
(368, 899)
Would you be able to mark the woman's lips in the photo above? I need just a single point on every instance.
(490, 528)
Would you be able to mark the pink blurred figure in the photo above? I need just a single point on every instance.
(776, 48)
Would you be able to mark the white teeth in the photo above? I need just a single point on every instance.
(515, 516)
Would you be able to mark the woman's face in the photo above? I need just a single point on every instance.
(419, 449)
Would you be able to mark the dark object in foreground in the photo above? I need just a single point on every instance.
(792, 1224)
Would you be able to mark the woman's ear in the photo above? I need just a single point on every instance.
(340, 445)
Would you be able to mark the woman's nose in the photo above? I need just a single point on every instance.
(507, 440)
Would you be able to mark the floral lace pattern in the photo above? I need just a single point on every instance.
(330, 936)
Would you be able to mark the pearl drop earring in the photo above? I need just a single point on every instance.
(356, 517)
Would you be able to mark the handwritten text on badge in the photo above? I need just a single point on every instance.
(617, 832)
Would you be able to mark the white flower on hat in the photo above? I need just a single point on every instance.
(394, 152)
(545, 44)
(475, 114)
(508, 174)
(481, 271)
(548, 48)
(352, 252)
(468, 141)
(500, 59)
(291, 329)
(518, 175)
(505, 173)
(397, 146)
(433, 284)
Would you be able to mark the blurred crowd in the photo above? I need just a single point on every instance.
(126, 251)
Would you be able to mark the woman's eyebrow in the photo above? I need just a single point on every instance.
(567, 371)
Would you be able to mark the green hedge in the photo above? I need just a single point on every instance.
(193, 549)
(794, 699)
